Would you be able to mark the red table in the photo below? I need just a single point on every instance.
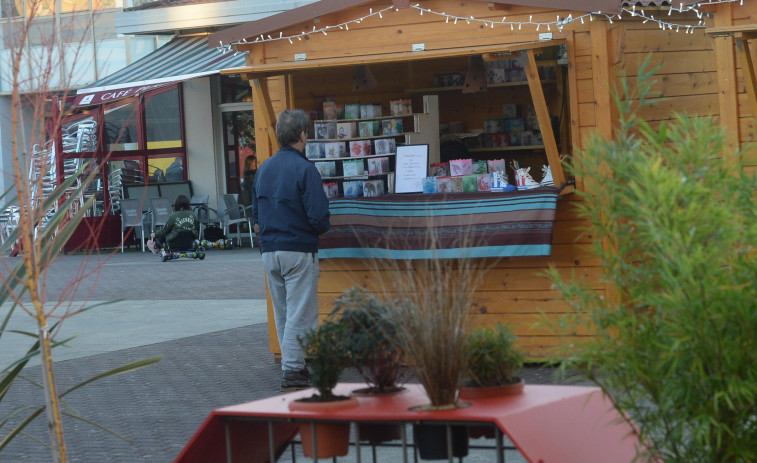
(547, 424)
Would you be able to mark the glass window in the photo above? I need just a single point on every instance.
(44, 7)
(111, 57)
(43, 32)
(70, 167)
(105, 26)
(74, 5)
(235, 90)
(76, 28)
(141, 46)
(103, 4)
(11, 8)
(79, 135)
(45, 69)
(166, 168)
(6, 84)
(12, 33)
(121, 127)
(79, 64)
(163, 120)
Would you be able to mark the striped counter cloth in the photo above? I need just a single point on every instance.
(453, 225)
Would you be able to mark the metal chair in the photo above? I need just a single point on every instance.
(199, 205)
(160, 210)
(236, 214)
(131, 217)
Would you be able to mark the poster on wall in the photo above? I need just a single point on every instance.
(412, 168)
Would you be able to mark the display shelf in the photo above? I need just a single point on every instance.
(380, 118)
(361, 177)
(374, 137)
(506, 148)
(352, 157)
(450, 89)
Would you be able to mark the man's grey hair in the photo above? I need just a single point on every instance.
(290, 124)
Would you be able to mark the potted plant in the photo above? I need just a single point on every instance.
(374, 353)
(494, 363)
(329, 356)
(433, 298)
(371, 341)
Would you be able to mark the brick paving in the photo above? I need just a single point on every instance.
(160, 407)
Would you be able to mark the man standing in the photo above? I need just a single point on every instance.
(290, 210)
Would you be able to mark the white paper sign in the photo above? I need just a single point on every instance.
(412, 167)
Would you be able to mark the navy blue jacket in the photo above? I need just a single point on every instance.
(289, 203)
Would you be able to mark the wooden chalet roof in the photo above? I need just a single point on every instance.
(324, 7)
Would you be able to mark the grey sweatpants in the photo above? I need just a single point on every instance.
(293, 285)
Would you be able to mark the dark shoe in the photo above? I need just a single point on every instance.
(293, 380)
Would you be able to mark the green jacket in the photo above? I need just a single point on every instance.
(178, 222)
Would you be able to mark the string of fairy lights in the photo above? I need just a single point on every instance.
(664, 21)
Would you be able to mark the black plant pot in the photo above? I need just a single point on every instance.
(431, 441)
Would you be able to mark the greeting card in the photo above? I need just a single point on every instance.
(335, 149)
(470, 183)
(429, 185)
(391, 126)
(315, 150)
(479, 167)
(385, 146)
(360, 148)
(353, 189)
(331, 190)
(326, 169)
(346, 130)
(484, 182)
(325, 130)
(352, 111)
(373, 188)
(443, 184)
(378, 165)
(353, 168)
(368, 128)
(496, 164)
(458, 167)
(440, 169)
(456, 184)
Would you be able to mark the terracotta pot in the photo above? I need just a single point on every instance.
(472, 393)
(333, 439)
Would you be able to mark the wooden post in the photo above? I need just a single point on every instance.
(727, 91)
(747, 68)
(263, 107)
(542, 114)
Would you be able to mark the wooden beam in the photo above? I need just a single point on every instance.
(262, 101)
(723, 27)
(542, 115)
(750, 80)
(289, 66)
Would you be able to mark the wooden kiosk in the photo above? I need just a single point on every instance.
(304, 56)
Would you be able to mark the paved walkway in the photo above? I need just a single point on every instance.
(206, 318)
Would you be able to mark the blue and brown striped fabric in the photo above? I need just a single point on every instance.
(442, 226)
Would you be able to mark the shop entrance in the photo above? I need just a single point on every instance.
(239, 153)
